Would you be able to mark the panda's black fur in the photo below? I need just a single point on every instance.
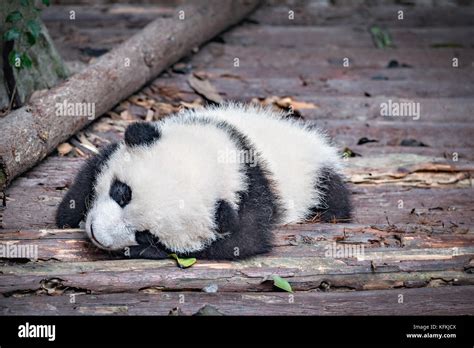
(241, 232)
(75, 203)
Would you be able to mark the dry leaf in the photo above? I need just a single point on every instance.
(284, 103)
(296, 105)
(142, 101)
(167, 92)
(164, 109)
(196, 104)
(149, 115)
(303, 105)
(113, 115)
(79, 152)
(64, 149)
(126, 115)
(205, 89)
(86, 143)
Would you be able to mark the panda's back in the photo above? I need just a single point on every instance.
(294, 154)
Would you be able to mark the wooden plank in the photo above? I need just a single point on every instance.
(410, 170)
(111, 15)
(246, 89)
(345, 36)
(406, 235)
(462, 153)
(222, 56)
(449, 301)
(257, 87)
(308, 73)
(387, 15)
(397, 242)
(372, 269)
(435, 110)
(33, 197)
(452, 208)
(392, 133)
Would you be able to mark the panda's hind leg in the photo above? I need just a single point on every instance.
(243, 233)
(335, 198)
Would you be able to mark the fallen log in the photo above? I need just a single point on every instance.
(28, 134)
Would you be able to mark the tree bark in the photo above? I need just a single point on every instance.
(28, 134)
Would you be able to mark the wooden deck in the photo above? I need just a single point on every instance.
(414, 205)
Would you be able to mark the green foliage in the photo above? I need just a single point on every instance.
(26, 60)
(13, 17)
(19, 60)
(183, 263)
(381, 37)
(23, 27)
(14, 59)
(33, 27)
(11, 35)
(30, 38)
(281, 283)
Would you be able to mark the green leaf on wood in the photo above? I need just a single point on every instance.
(281, 283)
(381, 37)
(13, 17)
(26, 60)
(33, 27)
(183, 263)
(14, 59)
(11, 34)
(46, 2)
(30, 38)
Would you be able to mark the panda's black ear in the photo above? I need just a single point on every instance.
(141, 133)
(74, 205)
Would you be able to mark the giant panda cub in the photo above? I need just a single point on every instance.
(209, 183)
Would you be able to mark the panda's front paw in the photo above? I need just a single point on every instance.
(148, 247)
(145, 252)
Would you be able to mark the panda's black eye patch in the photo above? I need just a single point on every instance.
(120, 193)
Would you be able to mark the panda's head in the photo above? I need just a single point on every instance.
(122, 194)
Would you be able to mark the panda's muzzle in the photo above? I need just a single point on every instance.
(95, 239)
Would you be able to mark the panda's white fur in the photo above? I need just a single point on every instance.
(294, 153)
(176, 180)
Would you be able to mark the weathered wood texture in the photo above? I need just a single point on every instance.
(449, 301)
(28, 134)
(413, 205)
